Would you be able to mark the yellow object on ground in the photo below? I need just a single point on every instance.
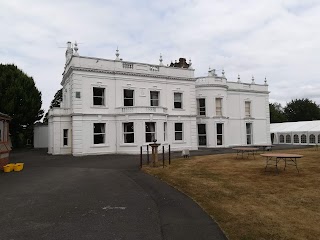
(7, 168)
(18, 167)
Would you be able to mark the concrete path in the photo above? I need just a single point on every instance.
(95, 197)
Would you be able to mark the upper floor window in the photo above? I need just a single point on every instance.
(99, 133)
(177, 100)
(154, 98)
(128, 132)
(201, 106)
(247, 109)
(128, 96)
(98, 96)
(218, 106)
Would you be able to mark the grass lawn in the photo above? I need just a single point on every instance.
(245, 201)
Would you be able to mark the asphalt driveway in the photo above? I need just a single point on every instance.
(95, 197)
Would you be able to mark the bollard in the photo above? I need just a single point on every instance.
(141, 157)
(162, 156)
(148, 154)
(169, 155)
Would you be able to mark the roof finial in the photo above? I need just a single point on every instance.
(239, 78)
(160, 59)
(223, 72)
(117, 54)
(252, 80)
(265, 81)
(76, 49)
(190, 63)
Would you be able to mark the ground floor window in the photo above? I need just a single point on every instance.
(128, 132)
(65, 137)
(312, 138)
(303, 138)
(99, 133)
(295, 138)
(150, 131)
(319, 138)
(220, 134)
(288, 138)
(249, 133)
(178, 131)
(202, 136)
(164, 131)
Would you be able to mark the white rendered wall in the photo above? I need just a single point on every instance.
(41, 136)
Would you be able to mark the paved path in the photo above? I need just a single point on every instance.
(95, 197)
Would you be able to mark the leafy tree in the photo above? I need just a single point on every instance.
(19, 98)
(276, 113)
(57, 99)
(302, 110)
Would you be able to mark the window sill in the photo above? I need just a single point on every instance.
(66, 146)
(99, 145)
(128, 145)
(99, 106)
(179, 142)
(178, 109)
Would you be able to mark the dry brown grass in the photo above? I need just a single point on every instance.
(247, 202)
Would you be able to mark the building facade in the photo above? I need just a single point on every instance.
(116, 106)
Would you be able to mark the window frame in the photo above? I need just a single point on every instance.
(65, 137)
(247, 114)
(288, 138)
(154, 133)
(127, 133)
(201, 110)
(157, 100)
(178, 131)
(220, 134)
(295, 138)
(221, 114)
(125, 98)
(103, 97)
(249, 134)
(102, 133)
(202, 134)
(313, 139)
(181, 100)
(281, 138)
(304, 139)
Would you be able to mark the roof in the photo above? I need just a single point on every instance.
(305, 126)
(4, 116)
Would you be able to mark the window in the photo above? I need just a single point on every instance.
(247, 109)
(178, 132)
(202, 135)
(295, 138)
(78, 95)
(177, 100)
(218, 106)
(220, 134)
(281, 139)
(319, 138)
(128, 97)
(0, 136)
(249, 133)
(65, 137)
(164, 131)
(201, 106)
(99, 133)
(303, 138)
(312, 138)
(150, 131)
(288, 138)
(154, 98)
(128, 132)
(98, 96)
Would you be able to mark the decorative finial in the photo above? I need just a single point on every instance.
(175, 61)
(117, 54)
(222, 72)
(265, 81)
(160, 59)
(252, 79)
(190, 63)
(239, 78)
(76, 49)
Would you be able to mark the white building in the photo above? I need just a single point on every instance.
(116, 106)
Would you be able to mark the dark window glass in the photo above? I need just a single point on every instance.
(128, 132)
(201, 129)
(150, 131)
(98, 133)
(178, 131)
(128, 97)
(177, 100)
(65, 137)
(201, 106)
(154, 98)
(98, 96)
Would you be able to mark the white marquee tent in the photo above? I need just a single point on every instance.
(304, 133)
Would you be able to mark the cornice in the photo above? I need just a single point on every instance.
(248, 90)
(72, 68)
(212, 85)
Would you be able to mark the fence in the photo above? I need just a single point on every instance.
(161, 152)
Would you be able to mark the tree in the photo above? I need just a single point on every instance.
(302, 110)
(57, 99)
(276, 113)
(19, 98)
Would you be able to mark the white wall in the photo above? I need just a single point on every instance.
(41, 136)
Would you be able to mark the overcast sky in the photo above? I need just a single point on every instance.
(277, 39)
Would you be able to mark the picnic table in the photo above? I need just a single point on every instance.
(277, 157)
(248, 150)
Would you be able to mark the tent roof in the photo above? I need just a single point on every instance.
(305, 126)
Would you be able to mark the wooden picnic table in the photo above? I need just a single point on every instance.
(276, 157)
(248, 150)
